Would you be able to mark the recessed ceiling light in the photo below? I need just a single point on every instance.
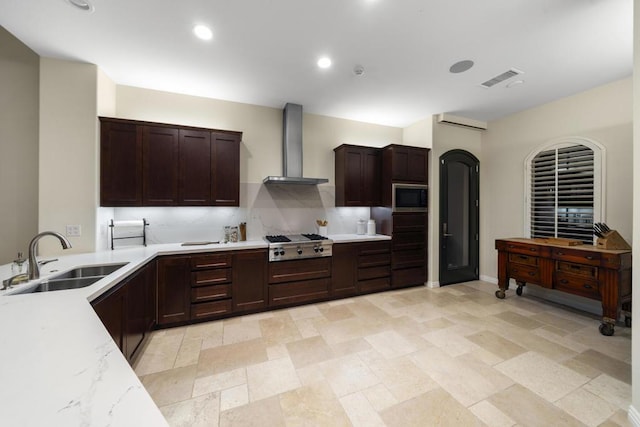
(324, 62)
(203, 32)
(461, 66)
(514, 83)
(82, 5)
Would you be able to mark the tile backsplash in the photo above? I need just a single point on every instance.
(273, 209)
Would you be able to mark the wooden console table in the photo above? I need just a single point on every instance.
(584, 270)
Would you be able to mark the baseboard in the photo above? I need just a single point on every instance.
(633, 416)
(489, 279)
(432, 285)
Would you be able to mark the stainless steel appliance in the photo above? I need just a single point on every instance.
(409, 197)
(298, 246)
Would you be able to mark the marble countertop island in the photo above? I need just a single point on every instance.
(59, 365)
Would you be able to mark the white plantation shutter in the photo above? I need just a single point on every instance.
(562, 193)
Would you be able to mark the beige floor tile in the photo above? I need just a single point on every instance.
(402, 377)
(380, 397)
(218, 382)
(582, 368)
(532, 342)
(160, 353)
(310, 375)
(618, 346)
(277, 351)
(234, 397)
(452, 340)
(528, 409)
(348, 329)
(338, 312)
(608, 365)
(309, 327)
(435, 408)
(559, 322)
(255, 414)
(304, 312)
(620, 418)
(170, 386)
(610, 389)
(347, 375)
(280, 329)
(496, 344)
(437, 324)
(360, 411)
(586, 407)
(241, 331)
(202, 411)
(467, 379)
(313, 405)
(490, 415)
(309, 351)
(350, 347)
(542, 375)
(390, 344)
(203, 330)
(524, 322)
(269, 378)
(189, 352)
(229, 357)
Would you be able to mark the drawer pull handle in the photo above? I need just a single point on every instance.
(564, 281)
(511, 246)
(575, 267)
(560, 253)
(533, 249)
(523, 257)
(589, 257)
(588, 286)
(531, 273)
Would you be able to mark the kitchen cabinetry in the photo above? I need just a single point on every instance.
(174, 290)
(360, 268)
(357, 175)
(211, 276)
(299, 281)
(250, 280)
(155, 164)
(403, 163)
(128, 310)
(583, 270)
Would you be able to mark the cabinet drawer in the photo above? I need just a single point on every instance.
(409, 277)
(374, 248)
(211, 277)
(208, 293)
(303, 269)
(374, 285)
(407, 241)
(523, 259)
(577, 269)
(406, 222)
(523, 248)
(409, 258)
(205, 310)
(211, 261)
(524, 273)
(298, 292)
(576, 255)
(374, 260)
(577, 285)
(374, 272)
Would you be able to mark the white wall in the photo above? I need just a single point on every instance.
(603, 114)
(68, 152)
(19, 74)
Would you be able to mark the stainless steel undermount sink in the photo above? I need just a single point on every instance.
(74, 279)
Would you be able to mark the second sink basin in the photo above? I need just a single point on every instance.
(74, 279)
(89, 271)
(61, 284)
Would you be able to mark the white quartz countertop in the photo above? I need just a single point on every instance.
(59, 365)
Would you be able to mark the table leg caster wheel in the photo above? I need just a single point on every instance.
(519, 291)
(627, 321)
(500, 294)
(606, 329)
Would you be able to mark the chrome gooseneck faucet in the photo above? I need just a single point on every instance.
(34, 268)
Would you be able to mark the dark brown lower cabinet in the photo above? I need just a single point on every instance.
(174, 290)
(299, 281)
(343, 275)
(128, 310)
(250, 280)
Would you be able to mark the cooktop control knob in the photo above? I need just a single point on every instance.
(316, 249)
(321, 249)
(299, 250)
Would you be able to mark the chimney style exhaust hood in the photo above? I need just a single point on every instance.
(292, 150)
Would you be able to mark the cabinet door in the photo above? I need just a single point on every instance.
(110, 308)
(417, 165)
(225, 157)
(120, 164)
(343, 275)
(407, 164)
(174, 290)
(136, 307)
(371, 176)
(195, 168)
(249, 280)
(357, 175)
(160, 150)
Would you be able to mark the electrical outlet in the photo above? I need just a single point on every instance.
(74, 231)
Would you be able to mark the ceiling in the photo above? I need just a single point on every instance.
(264, 52)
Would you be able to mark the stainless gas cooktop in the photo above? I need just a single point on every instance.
(298, 246)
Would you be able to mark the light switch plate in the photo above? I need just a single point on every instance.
(74, 230)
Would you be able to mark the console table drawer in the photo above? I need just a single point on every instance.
(577, 269)
(576, 255)
(523, 259)
(525, 273)
(577, 285)
(523, 248)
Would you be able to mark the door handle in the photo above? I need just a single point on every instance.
(447, 235)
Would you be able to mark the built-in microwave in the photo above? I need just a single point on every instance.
(409, 197)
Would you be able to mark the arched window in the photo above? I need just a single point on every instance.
(563, 184)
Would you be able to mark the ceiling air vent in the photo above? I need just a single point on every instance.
(501, 77)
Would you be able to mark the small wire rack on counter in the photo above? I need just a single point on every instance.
(129, 224)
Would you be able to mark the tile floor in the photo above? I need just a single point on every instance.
(453, 356)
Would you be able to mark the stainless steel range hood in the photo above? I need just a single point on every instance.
(292, 150)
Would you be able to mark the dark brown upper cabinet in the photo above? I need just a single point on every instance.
(357, 175)
(402, 163)
(156, 164)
